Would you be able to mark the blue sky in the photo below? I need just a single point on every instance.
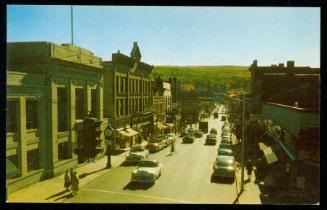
(178, 35)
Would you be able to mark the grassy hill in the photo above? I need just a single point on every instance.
(231, 79)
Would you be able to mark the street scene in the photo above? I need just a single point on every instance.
(103, 116)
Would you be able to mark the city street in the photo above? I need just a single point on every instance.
(186, 178)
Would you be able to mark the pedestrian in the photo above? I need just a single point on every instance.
(249, 168)
(67, 180)
(172, 148)
(75, 183)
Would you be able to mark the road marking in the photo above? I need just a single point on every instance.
(143, 196)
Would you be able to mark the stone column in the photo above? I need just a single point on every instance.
(54, 120)
(22, 155)
(71, 117)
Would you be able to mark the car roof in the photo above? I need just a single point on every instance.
(224, 158)
(225, 149)
(150, 160)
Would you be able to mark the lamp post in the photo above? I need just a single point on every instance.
(243, 134)
(108, 133)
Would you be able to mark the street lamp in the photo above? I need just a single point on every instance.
(243, 134)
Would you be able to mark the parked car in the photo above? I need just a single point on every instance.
(190, 130)
(225, 135)
(223, 118)
(147, 171)
(213, 131)
(224, 151)
(224, 166)
(189, 138)
(136, 154)
(198, 134)
(225, 145)
(155, 145)
(215, 115)
(211, 139)
(225, 141)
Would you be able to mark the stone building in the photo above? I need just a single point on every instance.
(285, 124)
(50, 90)
(127, 97)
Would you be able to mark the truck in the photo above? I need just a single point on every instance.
(203, 126)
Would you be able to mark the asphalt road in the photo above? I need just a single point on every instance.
(186, 178)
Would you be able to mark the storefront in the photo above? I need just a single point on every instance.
(126, 137)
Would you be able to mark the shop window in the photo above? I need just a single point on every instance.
(62, 109)
(14, 160)
(79, 97)
(33, 160)
(11, 116)
(31, 114)
(63, 153)
(93, 102)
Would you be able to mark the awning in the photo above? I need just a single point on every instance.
(278, 151)
(127, 132)
(11, 169)
(161, 126)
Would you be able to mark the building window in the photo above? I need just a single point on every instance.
(63, 153)
(126, 85)
(126, 106)
(117, 84)
(31, 114)
(117, 107)
(121, 107)
(121, 84)
(94, 102)
(62, 104)
(33, 160)
(140, 104)
(79, 96)
(11, 116)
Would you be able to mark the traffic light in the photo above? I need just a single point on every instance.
(90, 145)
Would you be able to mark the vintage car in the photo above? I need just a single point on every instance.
(211, 139)
(224, 151)
(225, 145)
(190, 130)
(213, 131)
(155, 144)
(148, 171)
(189, 138)
(198, 133)
(171, 137)
(225, 141)
(136, 154)
(224, 166)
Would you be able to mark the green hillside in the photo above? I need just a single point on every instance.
(231, 79)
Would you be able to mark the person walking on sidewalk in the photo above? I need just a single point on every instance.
(172, 148)
(249, 168)
(67, 180)
(75, 183)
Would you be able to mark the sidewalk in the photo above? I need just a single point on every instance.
(251, 193)
(53, 191)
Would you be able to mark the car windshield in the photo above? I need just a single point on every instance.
(137, 149)
(225, 161)
(148, 164)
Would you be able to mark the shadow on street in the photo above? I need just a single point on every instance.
(137, 186)
(89, 173)
(222, 180)
(67, 196)
(125, 164)
(57, 194)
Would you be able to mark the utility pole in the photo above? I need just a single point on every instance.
(243, 140)
(72, 23)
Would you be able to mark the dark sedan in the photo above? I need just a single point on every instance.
(224, 166)
(211, 139)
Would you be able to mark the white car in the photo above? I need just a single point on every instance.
(136, 154)
(147, 171)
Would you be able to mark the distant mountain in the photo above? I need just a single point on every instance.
(226, 79)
